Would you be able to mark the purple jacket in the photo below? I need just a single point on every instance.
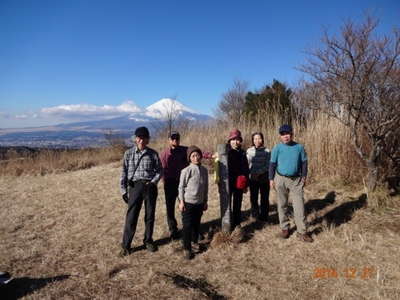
(173, 161)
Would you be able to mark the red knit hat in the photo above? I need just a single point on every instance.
(234, 134)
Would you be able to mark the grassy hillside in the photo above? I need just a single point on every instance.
(60, 236)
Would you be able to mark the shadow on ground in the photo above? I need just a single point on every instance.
(319, 204)
(198, 284)
(335, 217)
(23, 286)
(340, 214)
(208, 229)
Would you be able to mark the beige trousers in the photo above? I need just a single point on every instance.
(293, 187)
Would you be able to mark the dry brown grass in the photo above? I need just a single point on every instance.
(48, 161)
(327, 143)
(60, 236)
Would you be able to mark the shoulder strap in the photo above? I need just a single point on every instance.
(137, 164)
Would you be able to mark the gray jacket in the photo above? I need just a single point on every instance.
(193, 184)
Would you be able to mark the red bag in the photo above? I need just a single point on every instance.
(241, 182)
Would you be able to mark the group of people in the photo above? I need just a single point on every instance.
(186, 179)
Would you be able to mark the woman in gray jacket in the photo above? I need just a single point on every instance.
(258, 157)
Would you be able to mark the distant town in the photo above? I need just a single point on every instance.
(57, 139)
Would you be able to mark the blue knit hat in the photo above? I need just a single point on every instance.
(285, 128)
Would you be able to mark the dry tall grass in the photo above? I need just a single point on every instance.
(326, 140)
(327, 143)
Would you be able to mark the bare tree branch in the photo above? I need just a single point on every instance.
(355, 78)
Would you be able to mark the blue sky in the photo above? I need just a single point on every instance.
(96, 54)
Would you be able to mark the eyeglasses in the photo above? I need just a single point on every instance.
(285, 133)
(175, 137)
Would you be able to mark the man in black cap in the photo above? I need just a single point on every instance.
(141, 171)
(173, 160)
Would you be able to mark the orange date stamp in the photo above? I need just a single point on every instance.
(349, 273)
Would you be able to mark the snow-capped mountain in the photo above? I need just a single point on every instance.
(152, 116)
(163, 110)
(167, 107)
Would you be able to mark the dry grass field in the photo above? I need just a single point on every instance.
(46, 161)
(60, 236)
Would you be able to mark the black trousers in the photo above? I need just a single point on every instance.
(191, 218)
(141, 192)
(236, 197)
(171, 193)
(259, 210)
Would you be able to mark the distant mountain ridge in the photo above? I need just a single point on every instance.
(158, 112)
(91, 133)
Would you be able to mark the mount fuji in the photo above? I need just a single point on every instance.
(157, 113)
(92, 133)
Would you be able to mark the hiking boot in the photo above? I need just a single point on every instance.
(124, 252)
(259, 224)
(188, 254)
(253, 219)
(225, 227)
(151, 247)
(5, 278)
(285, 233)
(237, 227)
(201, 237)
(305, 237)
(174, 236)
(197, 247)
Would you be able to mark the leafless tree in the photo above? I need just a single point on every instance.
(232, 103)
(355, 77)
(170, 114)
(113, 138)
(170, 118)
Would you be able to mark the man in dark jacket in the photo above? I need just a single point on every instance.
(141, 171)
(173, 160)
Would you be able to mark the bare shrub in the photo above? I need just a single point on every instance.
(232, 104)
(113, 138)
(355, 78)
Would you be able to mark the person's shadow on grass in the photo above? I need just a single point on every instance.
(340, 214)
(208, 229)
(320, 204)
(312, 205)
(23, 286)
